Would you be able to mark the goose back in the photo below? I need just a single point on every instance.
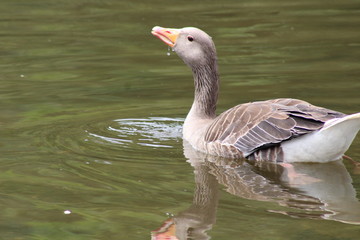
(257, 129)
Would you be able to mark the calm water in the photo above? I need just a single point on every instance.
(92, 108)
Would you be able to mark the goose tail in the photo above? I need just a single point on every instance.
(328, 144)
(348, 122)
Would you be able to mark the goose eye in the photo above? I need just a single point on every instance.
(190, 38)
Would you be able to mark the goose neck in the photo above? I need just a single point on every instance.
(206, 81)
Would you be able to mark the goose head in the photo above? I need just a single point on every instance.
(192, 45)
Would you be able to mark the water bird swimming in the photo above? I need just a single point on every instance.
(279, 130)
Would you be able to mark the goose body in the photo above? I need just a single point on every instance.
(279, 130)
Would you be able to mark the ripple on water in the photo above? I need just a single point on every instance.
(143, 139)
(153, 132)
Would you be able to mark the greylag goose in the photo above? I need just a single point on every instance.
(279, 130)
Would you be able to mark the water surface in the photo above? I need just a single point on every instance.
(92, 108)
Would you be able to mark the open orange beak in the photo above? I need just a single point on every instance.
(167, 35)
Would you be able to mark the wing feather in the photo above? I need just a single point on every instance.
(256, 127)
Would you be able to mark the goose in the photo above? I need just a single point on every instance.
(278, 130)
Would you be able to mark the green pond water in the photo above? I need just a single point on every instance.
(92, 109)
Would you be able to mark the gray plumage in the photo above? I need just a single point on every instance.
(257, 128)
(265, 130)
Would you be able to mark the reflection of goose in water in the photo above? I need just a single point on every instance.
(330, 184)
(312, 190)
(200, 216)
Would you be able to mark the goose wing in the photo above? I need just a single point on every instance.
(257, 126)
